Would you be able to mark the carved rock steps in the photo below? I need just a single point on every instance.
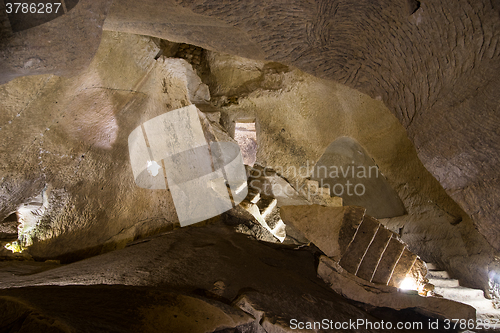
(360, 243)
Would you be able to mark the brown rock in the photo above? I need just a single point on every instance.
(405, 263)
(112, 309)
(356, 251)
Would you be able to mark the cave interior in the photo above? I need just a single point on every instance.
(249, 166)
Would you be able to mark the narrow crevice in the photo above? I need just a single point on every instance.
(413, 6)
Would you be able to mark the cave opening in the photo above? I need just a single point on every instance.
(9, 232)
(246, 136)
(11, 218)
(8, 228)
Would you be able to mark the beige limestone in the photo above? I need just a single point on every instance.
(63, 46)
(435, 115)
(374, 253)
(67, 138)
(191, 314)
(388, 261)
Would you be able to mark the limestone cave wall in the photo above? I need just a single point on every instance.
(415, 83)
(411, 86)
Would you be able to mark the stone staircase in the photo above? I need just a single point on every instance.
(263, 200)
(265, 210)
(359, 243)
(378, 255)
(5, 27)
(450, 288)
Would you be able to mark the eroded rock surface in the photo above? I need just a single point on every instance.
(442, 91)
(75, 179)
(64, 152)
(299, 116)
(208, 267)
(115, 309)
(413, 78)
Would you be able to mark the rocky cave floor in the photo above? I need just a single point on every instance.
(194, 279)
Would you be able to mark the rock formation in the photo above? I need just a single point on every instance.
(408, 90)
